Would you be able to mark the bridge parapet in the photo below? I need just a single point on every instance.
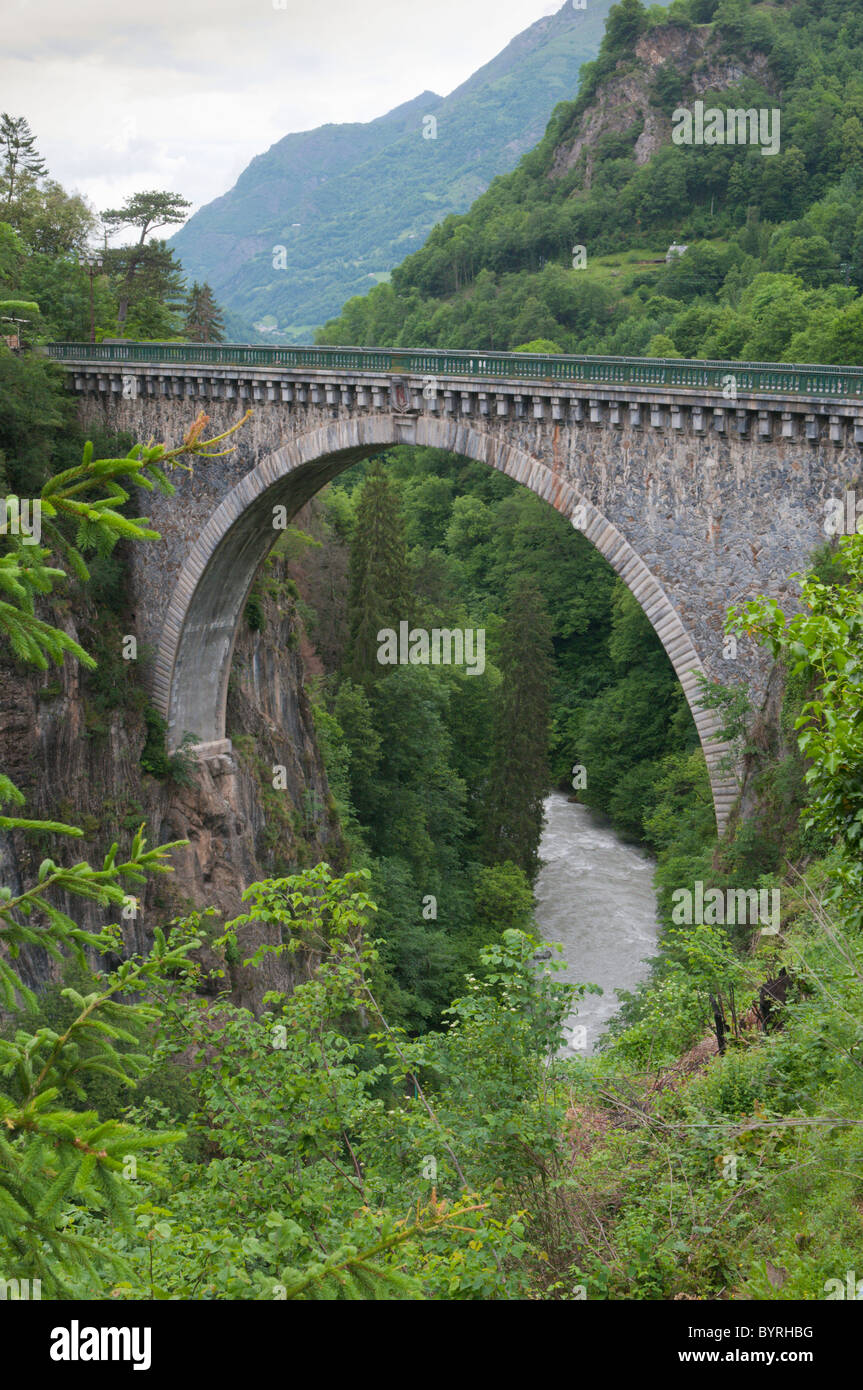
(777, 378)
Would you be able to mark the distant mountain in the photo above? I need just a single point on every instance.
(772, 263)
(349, 202)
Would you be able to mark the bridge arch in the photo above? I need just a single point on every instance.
(190, 681)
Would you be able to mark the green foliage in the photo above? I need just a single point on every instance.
(539, 345)
(178, 767)
(735, 711)
(34, 407)
(65, 498)
(46, 258)
(149, 276)
(204, 321)
(254, 613)
(21, 161)
(503, 899)
(513, 818)
(53, 1155)
(661, 345)
(299, 1124)
(825, 641)
(58, 1163)
(16, 308)
(379, 584)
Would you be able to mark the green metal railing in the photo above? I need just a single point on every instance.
(680, 373)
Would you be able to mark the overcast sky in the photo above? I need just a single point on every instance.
(180, 94)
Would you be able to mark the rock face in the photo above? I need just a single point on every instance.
(74, 766)
(623, 101)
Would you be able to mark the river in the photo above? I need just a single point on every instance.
(594, 895)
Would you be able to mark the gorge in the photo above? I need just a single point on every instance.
(278, 918)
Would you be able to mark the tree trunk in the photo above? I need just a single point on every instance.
(720, 1026)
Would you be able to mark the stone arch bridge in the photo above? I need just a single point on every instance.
(701, 483)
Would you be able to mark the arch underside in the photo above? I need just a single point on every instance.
(190, 681)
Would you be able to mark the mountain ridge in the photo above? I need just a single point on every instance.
(348, 201)
(772, 268)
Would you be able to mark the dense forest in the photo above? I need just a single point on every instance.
(438, 775)
(404, 1123)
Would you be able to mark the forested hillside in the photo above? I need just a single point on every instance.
(348, 202)
(570, 247)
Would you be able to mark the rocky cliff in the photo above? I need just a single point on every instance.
(630, 100)
(73, 742)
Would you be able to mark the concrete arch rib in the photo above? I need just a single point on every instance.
(194, 656)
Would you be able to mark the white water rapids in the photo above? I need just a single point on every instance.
(594, 895)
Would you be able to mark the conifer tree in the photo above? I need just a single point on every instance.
(141, 265)
(18, 153)
(520, 773)
(379, 585)
(204, 321)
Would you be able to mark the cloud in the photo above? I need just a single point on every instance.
(186, 92)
